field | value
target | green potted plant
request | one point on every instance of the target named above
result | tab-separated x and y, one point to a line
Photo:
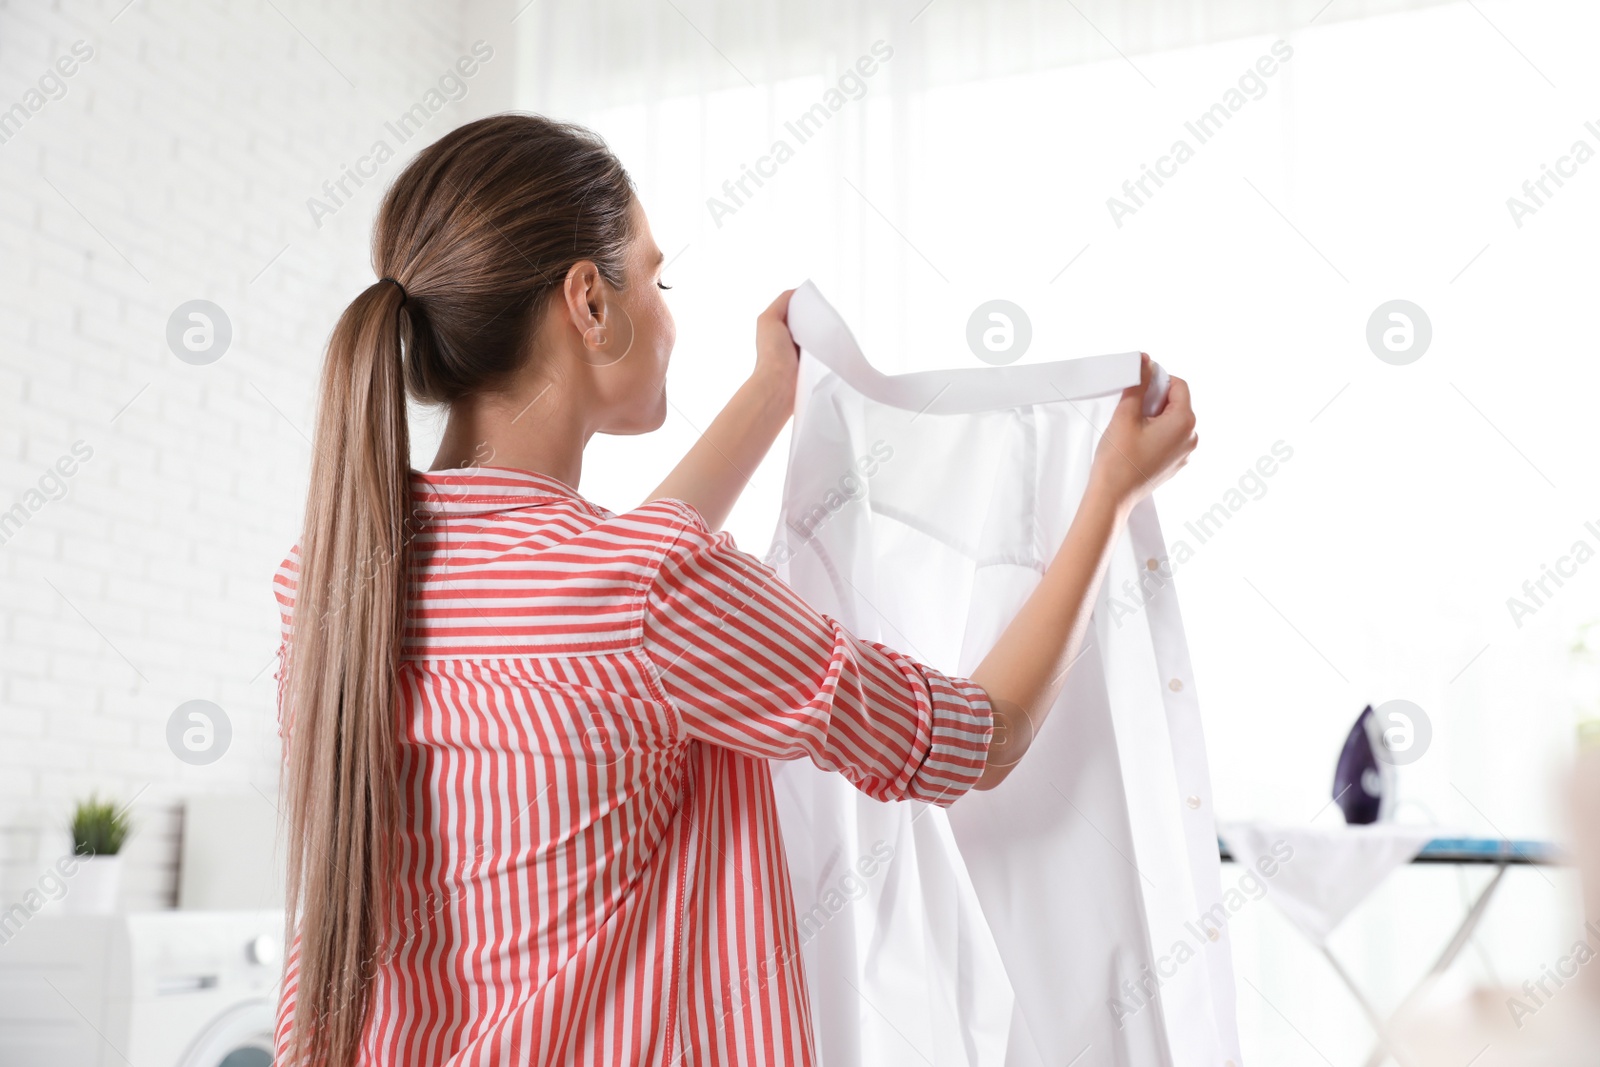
99	828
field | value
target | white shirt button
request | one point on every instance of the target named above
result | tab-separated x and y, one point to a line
1193	801
1175	685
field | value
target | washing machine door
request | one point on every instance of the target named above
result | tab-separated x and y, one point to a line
239	1037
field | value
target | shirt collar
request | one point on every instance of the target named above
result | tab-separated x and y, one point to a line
482	490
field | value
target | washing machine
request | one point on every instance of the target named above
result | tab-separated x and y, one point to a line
142	989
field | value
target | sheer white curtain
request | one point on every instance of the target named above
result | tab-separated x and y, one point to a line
960	152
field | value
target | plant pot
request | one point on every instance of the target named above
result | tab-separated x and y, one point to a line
93	887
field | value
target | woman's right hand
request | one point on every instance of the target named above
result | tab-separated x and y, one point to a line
1025	670
1136	453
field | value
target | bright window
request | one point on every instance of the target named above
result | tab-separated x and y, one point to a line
1365	161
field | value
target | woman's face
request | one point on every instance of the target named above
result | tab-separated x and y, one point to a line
630	363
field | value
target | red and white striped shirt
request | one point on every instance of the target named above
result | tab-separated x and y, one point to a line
591	869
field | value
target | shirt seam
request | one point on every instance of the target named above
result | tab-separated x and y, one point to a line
652	673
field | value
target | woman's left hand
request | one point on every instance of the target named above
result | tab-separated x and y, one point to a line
713	473
777	358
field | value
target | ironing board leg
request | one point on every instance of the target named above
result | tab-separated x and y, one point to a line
1469	924
1379	1025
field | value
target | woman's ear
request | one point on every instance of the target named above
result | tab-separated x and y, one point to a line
599	320
586	301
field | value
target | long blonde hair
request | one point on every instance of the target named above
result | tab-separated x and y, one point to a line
473	238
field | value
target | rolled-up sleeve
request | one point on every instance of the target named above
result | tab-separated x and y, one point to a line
747	664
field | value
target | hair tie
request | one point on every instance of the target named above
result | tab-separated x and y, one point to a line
398	286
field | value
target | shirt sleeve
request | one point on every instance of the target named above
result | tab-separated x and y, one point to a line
749	665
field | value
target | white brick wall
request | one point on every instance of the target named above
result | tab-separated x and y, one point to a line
176	165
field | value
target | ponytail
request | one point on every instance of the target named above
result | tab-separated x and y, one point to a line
349	620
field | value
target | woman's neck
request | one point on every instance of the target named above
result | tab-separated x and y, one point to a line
536	429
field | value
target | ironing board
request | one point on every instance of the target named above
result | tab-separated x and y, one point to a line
1501	853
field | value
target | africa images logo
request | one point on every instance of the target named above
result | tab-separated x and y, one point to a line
851	85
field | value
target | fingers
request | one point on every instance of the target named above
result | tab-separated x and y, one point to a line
779	308
1134	394
1179	404
1175	425
1178	393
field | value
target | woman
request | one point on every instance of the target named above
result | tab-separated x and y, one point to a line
526	737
